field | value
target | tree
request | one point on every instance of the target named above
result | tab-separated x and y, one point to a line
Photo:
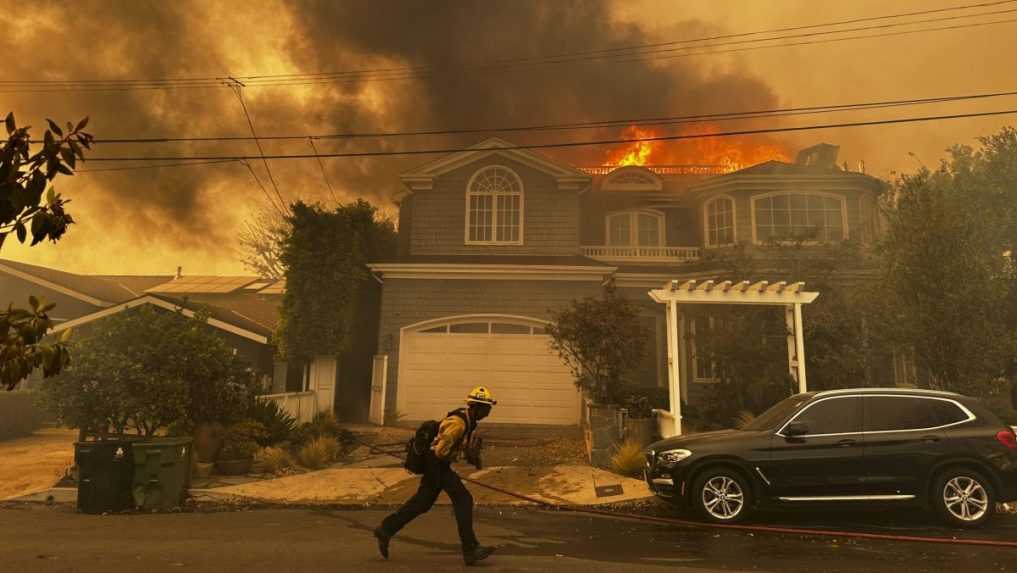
948	274
147	368
261	244
601	341
326	254
29	204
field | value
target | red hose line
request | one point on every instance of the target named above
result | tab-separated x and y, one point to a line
750	528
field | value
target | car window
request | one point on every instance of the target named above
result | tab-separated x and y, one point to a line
833	416
888	413
777	413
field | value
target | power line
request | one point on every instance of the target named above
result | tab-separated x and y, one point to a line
599	124
240	96
611	53
321	166
614	141
156	166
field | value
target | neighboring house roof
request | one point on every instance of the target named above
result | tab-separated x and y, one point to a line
96	290
224	319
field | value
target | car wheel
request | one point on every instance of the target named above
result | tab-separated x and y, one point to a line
721	495
963	497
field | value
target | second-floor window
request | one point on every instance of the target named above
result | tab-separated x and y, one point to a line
720	228
816	217
635	229
494	207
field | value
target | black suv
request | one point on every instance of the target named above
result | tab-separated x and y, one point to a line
942	450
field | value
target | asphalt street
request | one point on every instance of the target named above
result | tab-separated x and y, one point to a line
56	539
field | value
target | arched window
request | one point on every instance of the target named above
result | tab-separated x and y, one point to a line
806	216
720	222
494	207
635	229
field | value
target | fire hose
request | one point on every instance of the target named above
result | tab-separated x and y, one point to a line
730	527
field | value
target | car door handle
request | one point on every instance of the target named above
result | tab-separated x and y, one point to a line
930	438
846	443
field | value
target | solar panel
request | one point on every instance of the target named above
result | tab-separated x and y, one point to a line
203	285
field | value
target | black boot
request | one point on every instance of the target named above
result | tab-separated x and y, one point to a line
475	554
383	539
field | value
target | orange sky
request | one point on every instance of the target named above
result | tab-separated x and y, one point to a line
153	221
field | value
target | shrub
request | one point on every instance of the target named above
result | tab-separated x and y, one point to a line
319	452
629	459
241	441
279	426
273	460
323	424
19	416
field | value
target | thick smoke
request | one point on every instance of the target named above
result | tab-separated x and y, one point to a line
152	220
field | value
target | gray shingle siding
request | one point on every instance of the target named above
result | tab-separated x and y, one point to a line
406	302
550	215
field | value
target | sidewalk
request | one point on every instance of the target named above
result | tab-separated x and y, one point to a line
36	462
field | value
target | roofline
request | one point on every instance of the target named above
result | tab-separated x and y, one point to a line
916	391
159	302
492	271
55	286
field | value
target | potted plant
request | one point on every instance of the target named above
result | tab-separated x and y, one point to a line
239	446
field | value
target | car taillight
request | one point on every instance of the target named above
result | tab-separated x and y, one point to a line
1008	438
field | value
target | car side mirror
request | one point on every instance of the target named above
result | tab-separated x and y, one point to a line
795	429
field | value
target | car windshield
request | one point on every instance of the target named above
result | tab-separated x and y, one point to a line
777	413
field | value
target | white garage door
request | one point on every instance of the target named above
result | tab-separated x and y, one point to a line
440	363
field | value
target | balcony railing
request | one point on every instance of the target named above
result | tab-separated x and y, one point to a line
642	254
689	169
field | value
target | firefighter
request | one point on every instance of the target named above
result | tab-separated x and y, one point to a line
454	438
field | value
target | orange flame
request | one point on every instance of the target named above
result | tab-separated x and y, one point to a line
733	153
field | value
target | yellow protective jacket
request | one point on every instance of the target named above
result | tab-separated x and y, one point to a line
451	440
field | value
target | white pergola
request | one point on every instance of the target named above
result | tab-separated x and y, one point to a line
789	295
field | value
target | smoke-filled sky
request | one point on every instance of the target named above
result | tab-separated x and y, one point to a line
151	221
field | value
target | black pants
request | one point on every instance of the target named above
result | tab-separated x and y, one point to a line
438	476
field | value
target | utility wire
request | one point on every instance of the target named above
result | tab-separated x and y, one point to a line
640	52
598	124
237	87
321	166
156	166
588	143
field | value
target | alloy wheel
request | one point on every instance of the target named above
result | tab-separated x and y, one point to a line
965	498
723	498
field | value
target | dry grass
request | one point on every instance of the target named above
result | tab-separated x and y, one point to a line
273	460
629	459
319	452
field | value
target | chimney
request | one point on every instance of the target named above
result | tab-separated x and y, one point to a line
180	272
861	166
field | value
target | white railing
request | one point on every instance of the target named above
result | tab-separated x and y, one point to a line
301	405
691	169
642	254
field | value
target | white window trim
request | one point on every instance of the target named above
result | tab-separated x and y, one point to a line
734	222
494	208
843	212
634	227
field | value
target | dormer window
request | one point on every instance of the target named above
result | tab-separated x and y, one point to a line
494	207
635	229
720	221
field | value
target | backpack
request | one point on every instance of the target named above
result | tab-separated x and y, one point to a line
419	446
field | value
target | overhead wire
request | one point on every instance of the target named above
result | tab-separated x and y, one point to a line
661	50
568	144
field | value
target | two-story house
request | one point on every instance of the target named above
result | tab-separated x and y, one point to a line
494	239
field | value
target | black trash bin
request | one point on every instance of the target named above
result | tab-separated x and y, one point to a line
105	476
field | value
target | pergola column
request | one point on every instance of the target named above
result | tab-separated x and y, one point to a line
791	297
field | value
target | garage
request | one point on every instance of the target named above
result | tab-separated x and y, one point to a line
440	361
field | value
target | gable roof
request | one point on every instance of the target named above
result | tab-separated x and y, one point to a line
568	177
97	290
224	319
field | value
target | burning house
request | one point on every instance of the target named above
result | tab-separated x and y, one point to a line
494	238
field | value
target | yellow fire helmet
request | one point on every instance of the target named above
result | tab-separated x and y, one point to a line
480	395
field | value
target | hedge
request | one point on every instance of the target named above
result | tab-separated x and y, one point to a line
19	414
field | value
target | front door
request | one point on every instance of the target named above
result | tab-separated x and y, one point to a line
825	462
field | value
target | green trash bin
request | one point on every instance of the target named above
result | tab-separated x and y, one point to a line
162	473
105	476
